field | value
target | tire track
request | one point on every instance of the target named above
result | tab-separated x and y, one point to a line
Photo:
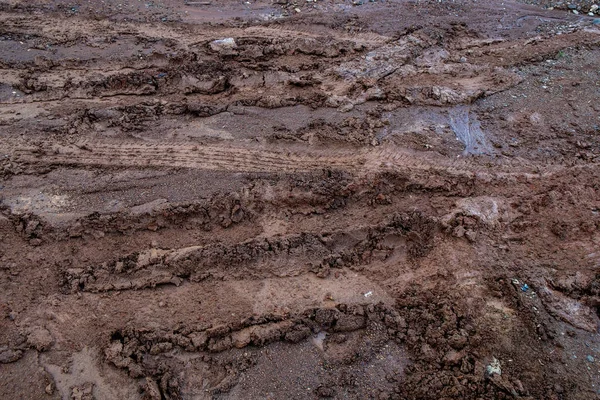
104	153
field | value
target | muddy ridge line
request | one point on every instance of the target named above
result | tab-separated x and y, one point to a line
313	199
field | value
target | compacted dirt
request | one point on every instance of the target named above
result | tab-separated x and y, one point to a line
297	200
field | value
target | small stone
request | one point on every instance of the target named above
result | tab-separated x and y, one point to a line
241	338
459	231
49	389
471	235
590	358
575	12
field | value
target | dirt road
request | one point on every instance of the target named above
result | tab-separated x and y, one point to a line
299	200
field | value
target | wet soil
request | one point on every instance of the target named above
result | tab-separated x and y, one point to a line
320	199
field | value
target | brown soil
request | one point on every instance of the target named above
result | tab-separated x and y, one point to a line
298	200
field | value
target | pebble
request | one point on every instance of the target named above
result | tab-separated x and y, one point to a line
590	358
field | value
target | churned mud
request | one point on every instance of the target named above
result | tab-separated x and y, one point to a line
299	200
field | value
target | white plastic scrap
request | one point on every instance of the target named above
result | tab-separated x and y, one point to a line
494	368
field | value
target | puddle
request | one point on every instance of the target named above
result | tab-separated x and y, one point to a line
442	127
85	376
467	129
8	93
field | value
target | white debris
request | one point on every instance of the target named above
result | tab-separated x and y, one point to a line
223	44
493	368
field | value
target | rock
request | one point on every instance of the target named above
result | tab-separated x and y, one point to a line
49	389
471	235
241	338
459	231
590	358
593	8
40	339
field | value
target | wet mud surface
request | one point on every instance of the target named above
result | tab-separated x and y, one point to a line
304	200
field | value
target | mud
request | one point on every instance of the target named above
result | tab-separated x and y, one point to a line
322	199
